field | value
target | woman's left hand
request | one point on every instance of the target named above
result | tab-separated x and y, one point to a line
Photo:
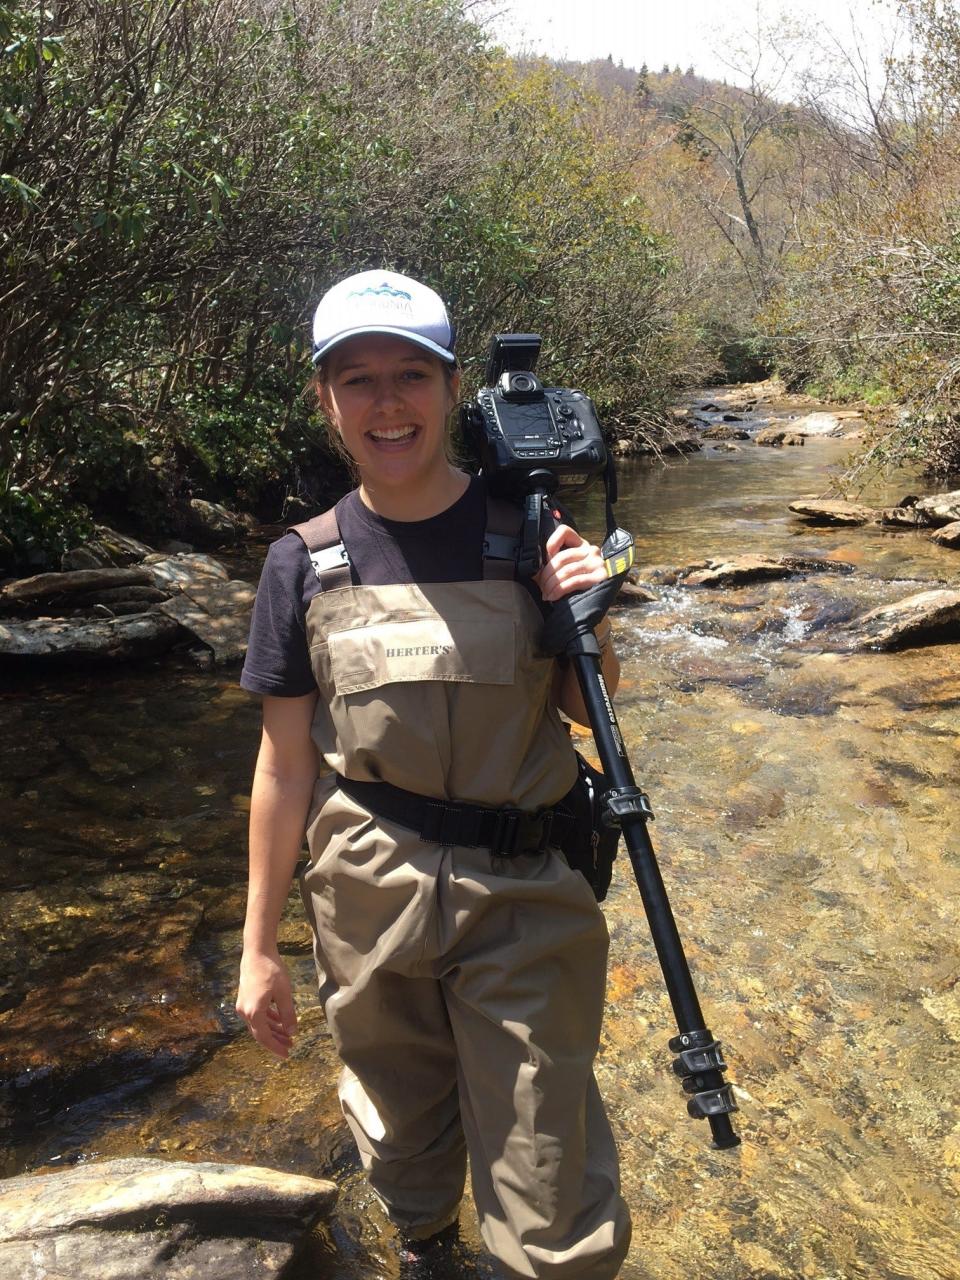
571	564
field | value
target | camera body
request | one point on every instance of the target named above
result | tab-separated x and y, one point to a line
516	425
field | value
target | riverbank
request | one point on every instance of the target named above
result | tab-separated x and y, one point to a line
806	827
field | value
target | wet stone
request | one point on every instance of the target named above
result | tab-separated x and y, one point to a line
775	437
748	569
902	517
948	535
724	432
817	424
941	508
137	1219
632	594
927	616
830	511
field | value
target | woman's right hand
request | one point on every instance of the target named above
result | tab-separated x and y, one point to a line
265	1001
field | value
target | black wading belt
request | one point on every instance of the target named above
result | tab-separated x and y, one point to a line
507	833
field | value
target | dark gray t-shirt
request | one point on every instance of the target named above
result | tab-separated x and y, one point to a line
446	548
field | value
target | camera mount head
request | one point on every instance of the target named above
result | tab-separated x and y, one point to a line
509	353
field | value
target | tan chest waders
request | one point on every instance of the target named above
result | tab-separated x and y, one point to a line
464	989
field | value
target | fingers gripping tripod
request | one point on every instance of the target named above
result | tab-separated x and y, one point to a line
569	630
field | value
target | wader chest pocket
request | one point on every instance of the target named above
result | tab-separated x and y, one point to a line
471	650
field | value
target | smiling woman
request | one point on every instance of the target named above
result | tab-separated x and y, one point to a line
388	401
461	961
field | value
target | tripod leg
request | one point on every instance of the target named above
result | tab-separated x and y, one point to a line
698	1063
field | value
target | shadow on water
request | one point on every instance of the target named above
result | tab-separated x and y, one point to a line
807	827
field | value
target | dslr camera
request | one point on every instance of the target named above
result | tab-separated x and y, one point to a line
516	426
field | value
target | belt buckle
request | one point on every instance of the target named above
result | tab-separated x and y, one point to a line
520	832
506	832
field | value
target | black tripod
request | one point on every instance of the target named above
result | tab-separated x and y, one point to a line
569	630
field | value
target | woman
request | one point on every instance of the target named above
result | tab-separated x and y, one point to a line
463	981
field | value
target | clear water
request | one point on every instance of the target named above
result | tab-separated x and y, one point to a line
808	828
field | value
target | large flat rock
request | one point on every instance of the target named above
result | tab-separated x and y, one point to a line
817	424
941	508
141	1219
741	570
927	616
184	569
216	612
833	511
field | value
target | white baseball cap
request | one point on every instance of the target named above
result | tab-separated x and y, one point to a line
383	302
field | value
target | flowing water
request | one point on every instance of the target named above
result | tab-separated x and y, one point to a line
808	829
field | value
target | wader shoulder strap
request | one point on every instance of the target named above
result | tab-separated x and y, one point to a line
328	555
501	542
501	538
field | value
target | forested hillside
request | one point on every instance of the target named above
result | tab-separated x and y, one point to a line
180	179
813	211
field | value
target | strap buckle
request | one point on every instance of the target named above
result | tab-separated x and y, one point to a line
518	832
505	832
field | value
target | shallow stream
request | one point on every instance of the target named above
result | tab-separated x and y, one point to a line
808	829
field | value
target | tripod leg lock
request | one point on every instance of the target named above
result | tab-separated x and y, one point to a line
626	802
693	1062
699	1064
712	1102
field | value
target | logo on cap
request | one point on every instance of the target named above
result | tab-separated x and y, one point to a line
382	291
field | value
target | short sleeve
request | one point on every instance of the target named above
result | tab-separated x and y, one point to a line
278	658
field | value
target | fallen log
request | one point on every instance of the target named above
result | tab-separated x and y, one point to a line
50	586
137	635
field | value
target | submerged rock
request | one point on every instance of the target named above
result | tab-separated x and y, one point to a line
64	1036
833	511
137	1219
918	619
